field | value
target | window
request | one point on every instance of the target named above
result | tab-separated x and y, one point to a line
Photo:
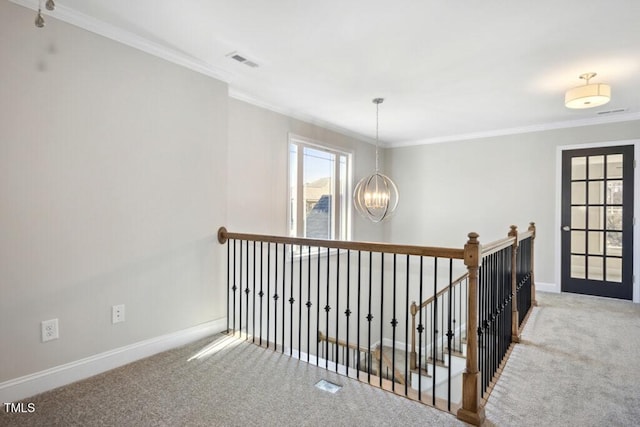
319	190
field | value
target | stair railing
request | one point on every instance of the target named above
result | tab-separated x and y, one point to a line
501	294
279	289
350	354
456	290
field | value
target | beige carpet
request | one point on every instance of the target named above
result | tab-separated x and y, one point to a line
577	366
237	385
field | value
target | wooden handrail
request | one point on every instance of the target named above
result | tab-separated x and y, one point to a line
427	251
525	235
323	337
498	245
442	291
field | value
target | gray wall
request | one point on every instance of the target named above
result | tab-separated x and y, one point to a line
112	186
258	169
485	185
117	168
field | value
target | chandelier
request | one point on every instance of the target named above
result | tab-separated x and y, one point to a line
376	196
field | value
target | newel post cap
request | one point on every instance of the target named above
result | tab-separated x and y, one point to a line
222	235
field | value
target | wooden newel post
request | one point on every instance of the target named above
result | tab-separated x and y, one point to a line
472	412
532	229
515	318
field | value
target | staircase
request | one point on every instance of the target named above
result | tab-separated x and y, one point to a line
391	364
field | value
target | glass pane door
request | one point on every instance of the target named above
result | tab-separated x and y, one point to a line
597	221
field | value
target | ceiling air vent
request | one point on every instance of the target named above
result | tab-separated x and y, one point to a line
242	59
619	110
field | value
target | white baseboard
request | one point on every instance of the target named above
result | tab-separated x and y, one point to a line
547	287
39	382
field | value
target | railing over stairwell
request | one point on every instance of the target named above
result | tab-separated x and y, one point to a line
501	294
284	292
446	313
525	288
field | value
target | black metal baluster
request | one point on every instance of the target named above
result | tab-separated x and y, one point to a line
337	303
489	344
228	282
481	322
300	307
284	292
268	290
327	309
369	319
487	328
420	329
358	314
394	323
442	325
495	283
487	325
498	326
261	294
381	315
318	313
492	344
234	288
253	295
347	312
406	333
434	337
291	301
496	323
246	289
450	333
240	296
275	301
309	304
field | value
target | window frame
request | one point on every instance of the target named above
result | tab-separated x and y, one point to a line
341	227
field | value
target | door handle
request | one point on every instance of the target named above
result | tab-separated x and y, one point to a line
566	228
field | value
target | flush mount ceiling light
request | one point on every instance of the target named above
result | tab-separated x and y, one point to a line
589	95
376	196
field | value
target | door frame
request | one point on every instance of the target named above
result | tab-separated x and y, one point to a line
636	210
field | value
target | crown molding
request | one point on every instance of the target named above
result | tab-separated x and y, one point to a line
520	130
71	16
244	97
78	19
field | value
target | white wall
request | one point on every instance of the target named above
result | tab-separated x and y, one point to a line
258	169
485	185
112	186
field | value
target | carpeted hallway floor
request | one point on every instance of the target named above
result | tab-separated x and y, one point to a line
577	366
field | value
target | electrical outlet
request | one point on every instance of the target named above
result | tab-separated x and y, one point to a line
50	330
117	313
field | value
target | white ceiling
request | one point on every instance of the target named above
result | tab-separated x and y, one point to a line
447	69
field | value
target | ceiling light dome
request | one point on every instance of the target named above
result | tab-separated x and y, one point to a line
589	95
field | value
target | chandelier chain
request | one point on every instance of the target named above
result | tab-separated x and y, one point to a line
377	121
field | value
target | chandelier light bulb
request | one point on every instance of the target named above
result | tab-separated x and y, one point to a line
50	5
